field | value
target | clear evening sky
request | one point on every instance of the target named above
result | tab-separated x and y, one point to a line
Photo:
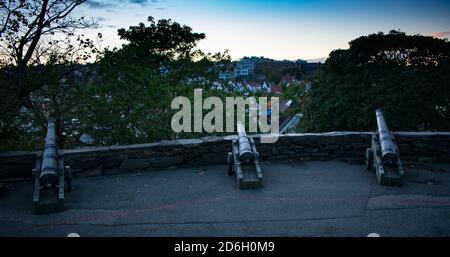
282	29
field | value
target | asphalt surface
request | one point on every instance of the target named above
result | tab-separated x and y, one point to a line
299	199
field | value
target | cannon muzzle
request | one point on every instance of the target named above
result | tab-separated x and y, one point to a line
389	151
49	168
245	149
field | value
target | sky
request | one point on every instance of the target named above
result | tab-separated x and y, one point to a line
278	29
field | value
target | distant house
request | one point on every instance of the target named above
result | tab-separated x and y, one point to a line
244	67
301	95
197	80
240	86
259	67
276	89
229	86
249	86
226	75
217	86
288	80
266	87
254	86
233	86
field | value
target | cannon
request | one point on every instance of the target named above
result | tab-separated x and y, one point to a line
383	156
243	161
50	178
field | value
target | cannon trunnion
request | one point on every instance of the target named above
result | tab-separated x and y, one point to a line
50	177
243	161
383	156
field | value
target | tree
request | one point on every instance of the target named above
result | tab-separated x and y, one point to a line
122	98
38	49
406	76
159	43
129	99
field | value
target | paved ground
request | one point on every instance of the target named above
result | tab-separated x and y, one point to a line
299	199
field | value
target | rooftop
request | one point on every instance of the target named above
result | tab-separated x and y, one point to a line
318	198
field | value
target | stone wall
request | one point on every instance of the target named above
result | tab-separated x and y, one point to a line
349	146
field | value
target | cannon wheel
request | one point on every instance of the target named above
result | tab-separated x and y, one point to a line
36	170
33	183
33	178
369	159
230	164
68	177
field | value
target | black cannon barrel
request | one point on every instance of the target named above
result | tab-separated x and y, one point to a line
245	149
49	168
389	152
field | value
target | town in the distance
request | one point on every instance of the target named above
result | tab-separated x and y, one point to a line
246	120
265	75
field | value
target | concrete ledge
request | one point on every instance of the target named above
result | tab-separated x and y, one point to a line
414	146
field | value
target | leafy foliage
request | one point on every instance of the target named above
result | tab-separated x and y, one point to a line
406	76
39	53
130	96
122	98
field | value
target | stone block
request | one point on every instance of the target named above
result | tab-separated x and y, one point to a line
167	161
319	154
84	164
190	143
133	164
331	147
214	159
112	161
439	149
